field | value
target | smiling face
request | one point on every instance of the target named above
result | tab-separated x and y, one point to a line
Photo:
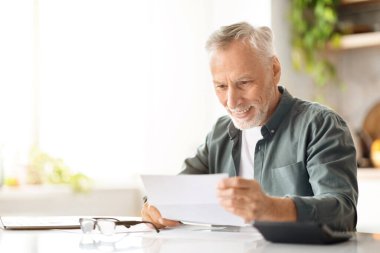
245	83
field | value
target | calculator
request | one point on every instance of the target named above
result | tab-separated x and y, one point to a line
301	232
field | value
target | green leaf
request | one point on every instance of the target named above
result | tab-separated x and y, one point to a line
313	27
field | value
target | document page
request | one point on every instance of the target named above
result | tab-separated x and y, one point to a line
189	198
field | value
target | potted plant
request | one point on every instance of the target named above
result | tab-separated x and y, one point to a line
313	25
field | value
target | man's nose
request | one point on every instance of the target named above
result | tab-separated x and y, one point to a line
233	97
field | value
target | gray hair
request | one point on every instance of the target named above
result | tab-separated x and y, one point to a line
259	38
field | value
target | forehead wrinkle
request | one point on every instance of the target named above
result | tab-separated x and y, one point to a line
233	76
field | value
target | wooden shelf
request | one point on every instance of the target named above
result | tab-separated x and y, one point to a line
352	2
360	40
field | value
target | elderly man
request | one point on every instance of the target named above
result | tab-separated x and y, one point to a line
288	159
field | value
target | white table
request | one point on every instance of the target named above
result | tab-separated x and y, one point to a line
72	241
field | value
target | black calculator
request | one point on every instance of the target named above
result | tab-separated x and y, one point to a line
301	232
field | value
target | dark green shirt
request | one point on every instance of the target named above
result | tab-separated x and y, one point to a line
306	154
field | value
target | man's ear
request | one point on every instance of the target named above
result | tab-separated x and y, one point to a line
276	70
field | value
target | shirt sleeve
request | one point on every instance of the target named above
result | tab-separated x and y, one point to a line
331	164
197	164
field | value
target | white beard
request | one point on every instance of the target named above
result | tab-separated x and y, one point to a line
246	124
261	115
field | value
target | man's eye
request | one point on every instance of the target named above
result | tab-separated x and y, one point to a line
243	82
220	86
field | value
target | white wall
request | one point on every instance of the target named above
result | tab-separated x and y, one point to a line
133	88
121	87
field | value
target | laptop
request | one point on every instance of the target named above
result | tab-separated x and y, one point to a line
39	223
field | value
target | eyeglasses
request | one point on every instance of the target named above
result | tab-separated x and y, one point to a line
107	226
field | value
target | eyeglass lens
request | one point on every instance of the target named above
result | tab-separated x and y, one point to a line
87	225
105	226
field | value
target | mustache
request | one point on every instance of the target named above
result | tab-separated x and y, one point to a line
241	108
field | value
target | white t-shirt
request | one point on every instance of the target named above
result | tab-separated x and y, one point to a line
247	158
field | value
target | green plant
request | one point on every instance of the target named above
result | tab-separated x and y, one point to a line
313	29
44	168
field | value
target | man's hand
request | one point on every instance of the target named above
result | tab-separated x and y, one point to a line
245	198
151	213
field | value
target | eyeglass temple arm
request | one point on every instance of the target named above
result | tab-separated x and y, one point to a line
127	224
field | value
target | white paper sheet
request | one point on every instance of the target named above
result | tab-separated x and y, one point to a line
190	198
205	232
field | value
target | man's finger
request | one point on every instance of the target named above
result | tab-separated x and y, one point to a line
154	214
169	223
243	213
236	182
148	218
243	203
232	192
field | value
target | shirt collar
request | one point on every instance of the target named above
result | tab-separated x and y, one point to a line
270	128
281	111
233	131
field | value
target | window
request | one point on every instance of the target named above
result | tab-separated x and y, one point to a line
16	83
120	87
